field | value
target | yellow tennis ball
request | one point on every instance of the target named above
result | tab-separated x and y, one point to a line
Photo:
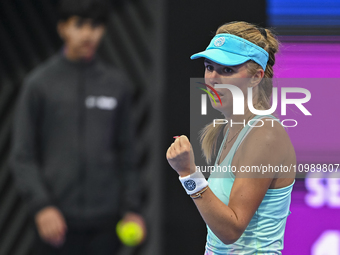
130	233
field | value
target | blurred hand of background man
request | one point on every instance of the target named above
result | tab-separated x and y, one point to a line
51	225
136	218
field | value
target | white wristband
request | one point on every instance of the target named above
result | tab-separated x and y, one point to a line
194	182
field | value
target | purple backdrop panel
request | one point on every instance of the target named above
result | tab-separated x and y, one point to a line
316	137
301	58
308	228
313	227
316	67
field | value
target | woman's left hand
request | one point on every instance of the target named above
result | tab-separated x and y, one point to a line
181	156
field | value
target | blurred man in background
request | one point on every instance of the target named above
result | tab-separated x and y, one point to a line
72	155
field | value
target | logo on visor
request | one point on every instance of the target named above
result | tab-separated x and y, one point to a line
219	41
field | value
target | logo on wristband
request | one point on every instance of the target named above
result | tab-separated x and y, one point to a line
190	185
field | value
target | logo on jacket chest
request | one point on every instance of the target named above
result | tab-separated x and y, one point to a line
101	102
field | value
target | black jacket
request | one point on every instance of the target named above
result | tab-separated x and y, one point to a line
73	141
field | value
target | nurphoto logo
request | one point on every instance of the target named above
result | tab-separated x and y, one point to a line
238	101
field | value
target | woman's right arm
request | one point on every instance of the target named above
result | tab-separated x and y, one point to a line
228	222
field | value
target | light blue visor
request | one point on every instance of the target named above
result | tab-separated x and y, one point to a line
231	50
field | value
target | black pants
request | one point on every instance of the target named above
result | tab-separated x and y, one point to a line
90	241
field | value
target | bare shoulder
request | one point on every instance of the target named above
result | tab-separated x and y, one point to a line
268	144
267	135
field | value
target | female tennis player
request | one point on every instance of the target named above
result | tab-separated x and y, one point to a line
245	211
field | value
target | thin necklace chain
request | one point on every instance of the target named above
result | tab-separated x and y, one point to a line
228	141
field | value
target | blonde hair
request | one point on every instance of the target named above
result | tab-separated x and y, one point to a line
265	39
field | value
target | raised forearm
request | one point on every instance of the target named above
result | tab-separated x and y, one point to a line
220	218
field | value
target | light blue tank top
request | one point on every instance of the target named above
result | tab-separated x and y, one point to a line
264	234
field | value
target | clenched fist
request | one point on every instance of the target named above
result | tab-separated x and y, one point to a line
51	225
181	156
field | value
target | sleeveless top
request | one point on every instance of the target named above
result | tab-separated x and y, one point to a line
264	234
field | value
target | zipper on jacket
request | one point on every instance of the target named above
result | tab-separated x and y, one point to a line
81	137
